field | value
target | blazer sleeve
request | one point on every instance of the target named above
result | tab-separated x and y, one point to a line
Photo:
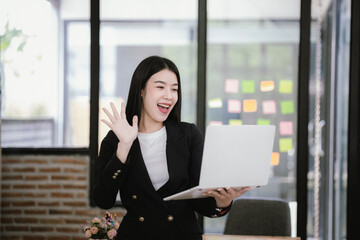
110	172
204	206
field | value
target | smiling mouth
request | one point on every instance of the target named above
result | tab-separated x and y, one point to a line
164	108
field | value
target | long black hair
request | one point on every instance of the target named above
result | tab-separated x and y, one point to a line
146	68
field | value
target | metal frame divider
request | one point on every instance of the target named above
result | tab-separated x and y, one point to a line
201	73
201	65
94	89
353	198
303	118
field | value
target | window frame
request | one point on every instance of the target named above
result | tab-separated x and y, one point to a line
353	209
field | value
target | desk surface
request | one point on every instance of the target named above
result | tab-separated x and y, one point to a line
237	237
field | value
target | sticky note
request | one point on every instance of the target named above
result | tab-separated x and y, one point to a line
250	105
215	103
285	144
286	127
275	158
269	107
215	123
234	106
235	122
262	121
231	85
248	86
285	86
287	107
267	86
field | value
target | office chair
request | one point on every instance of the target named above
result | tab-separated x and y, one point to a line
259	216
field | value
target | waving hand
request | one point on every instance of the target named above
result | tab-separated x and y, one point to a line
122	129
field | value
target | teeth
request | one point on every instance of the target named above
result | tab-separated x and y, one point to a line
163	105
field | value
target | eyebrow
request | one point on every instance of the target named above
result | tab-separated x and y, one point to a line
162	82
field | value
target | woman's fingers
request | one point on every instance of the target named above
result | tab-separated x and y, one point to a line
242	191
110	116
231	191
107	123
115	111
122	112
135	121
224	192
227	192
219	193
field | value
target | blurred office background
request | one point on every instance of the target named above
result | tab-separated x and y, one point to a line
239	64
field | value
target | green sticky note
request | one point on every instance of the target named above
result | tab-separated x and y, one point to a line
262	121
285	144
215	103
235	122
287	107
248	86
285	86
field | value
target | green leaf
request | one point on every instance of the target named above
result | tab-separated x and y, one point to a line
4	45
21	46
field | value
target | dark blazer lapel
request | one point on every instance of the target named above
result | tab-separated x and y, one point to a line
176	152
140	170
139	167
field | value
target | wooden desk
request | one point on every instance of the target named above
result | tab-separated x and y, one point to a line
238	237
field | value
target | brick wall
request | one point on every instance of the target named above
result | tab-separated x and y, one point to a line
46	197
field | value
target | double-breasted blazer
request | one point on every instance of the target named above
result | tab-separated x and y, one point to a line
148	216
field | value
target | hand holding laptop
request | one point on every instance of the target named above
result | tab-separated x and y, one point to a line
224	196
234	156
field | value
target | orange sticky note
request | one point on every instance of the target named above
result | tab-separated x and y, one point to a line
275	158
267	86
250	105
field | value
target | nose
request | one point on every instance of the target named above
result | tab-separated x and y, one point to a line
168	94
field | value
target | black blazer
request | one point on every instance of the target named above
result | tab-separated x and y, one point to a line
148	216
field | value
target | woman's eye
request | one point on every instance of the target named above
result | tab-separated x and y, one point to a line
175	89
160	87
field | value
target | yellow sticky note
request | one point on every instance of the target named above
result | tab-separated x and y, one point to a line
275	158
250	105
267	86
215	103
262	121
285	86
285	144
235	122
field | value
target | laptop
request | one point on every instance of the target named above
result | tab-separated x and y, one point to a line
233	156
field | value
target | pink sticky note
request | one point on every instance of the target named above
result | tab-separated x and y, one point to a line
234	106
286	128
215	123
269	107
231	85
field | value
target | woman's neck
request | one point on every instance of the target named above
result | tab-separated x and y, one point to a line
147	127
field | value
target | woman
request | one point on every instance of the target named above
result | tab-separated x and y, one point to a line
150	154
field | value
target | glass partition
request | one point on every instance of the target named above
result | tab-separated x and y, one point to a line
333	127
252	69
163	28
44	73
